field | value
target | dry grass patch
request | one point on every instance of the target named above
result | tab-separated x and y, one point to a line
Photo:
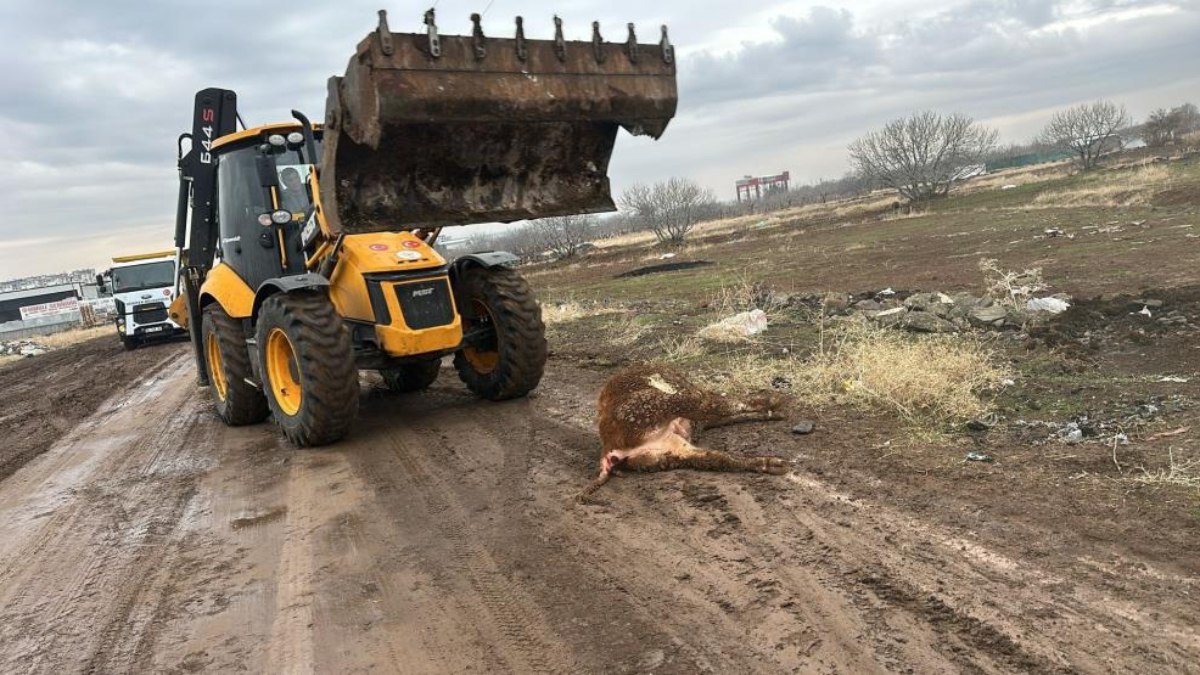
1179	474
928	381
680	350
1129	188
5	360
75	336
554	313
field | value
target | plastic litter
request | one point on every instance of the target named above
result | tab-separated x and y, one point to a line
741	325
1051	305
979	457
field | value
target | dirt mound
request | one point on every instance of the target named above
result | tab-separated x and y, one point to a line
665	267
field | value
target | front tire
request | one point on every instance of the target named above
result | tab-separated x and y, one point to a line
228	359
411	377
129	343
508	363
308	369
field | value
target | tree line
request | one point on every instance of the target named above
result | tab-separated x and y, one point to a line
920	156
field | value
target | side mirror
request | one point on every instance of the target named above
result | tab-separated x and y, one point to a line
100	281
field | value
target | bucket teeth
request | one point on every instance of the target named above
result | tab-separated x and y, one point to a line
668	50
385	34
435	42
597	42
631	45
522	52
560	44
477	38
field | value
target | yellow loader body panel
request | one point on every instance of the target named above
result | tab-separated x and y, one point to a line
392	263
229	290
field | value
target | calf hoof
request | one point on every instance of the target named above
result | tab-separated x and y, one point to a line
776	466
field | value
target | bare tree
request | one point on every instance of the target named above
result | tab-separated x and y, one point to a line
523	241
921	155
671	208
1159	128
1164	126
1088	130
564	235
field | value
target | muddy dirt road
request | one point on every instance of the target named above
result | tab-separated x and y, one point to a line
441	538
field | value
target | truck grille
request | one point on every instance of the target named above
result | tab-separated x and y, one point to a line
150	312
426	303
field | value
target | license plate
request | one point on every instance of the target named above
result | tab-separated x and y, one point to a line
154	329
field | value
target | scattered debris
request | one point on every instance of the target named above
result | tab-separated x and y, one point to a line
1071	433
737	327
1052	305
1010	186
975	456
1174	378
804	427
1169	434
22	348
983	423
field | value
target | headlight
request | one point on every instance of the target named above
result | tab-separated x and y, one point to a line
265	220
295	138
277	140
281	217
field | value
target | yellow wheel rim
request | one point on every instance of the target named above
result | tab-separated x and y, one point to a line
483	362
216	369
283	372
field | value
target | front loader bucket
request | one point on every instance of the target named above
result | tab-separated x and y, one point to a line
427	130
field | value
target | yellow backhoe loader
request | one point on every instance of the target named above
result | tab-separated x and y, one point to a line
307	249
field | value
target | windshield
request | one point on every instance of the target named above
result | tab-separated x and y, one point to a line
141	277
243	198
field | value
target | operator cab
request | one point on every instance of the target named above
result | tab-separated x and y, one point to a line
266	188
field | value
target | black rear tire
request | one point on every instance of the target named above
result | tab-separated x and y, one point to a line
313	388
511	364
411	376
129	343
237	401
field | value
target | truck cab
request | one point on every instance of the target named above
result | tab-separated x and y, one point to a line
143	287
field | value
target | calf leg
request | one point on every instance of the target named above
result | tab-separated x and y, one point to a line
675	452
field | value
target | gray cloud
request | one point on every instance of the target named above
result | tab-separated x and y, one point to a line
94	94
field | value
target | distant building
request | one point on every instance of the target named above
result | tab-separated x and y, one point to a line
39	311
751	188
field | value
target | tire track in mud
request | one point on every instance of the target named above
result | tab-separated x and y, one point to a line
110	532
526	643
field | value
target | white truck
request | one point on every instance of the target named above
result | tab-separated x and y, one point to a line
143	287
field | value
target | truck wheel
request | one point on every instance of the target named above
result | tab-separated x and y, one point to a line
129	343
238	402
508	359
411	376
308	367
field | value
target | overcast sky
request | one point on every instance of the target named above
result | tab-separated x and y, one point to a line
93	94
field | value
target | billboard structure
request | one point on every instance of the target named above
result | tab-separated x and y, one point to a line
751	188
